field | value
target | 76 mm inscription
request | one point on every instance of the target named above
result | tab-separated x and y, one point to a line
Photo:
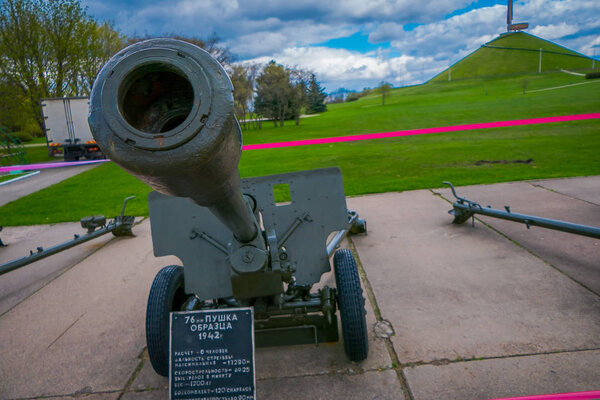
212	355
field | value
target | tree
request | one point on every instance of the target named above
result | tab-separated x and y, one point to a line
299	100
315	97
242	91
13	107
384	88
273	93
45	44
211	45
103	41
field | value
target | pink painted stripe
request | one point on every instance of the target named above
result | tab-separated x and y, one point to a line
594	394
351	138
368	136
29	167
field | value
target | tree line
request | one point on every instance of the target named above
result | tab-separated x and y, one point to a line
275	93
53	48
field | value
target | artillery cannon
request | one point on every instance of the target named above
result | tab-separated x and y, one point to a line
162	109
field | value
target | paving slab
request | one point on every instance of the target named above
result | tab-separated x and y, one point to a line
460	292
299	360
91	396
348	384
577	256
21	283
146	395
147	379
85	331
378	385
449	291
46	177
507	377
326	358
584	188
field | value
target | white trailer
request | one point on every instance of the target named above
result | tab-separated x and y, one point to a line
67	129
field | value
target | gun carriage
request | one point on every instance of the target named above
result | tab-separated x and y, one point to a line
162	109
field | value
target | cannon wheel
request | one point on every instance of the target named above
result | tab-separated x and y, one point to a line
166	294
352	305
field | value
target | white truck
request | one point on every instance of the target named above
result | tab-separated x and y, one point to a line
67	129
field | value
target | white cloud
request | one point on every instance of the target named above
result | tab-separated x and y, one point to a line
574	24
565	21
284	31
337	68
553	31
447	39
389	10
234	20
386	31
292	34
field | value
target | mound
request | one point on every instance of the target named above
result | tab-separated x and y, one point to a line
515	54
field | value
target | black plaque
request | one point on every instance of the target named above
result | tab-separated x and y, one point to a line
212	355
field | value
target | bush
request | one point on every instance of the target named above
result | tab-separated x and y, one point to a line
592	75
353	97
33	129
23	136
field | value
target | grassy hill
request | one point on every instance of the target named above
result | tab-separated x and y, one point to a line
514	54
393	164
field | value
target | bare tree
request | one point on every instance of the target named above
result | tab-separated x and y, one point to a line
221	53
299	98
242	92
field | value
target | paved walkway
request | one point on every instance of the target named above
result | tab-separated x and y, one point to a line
489	311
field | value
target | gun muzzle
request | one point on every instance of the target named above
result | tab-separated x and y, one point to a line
162	109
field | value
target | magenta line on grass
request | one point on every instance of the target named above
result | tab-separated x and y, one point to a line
351	138
29	167
594	394
369	136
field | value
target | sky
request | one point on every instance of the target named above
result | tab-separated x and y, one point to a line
354	44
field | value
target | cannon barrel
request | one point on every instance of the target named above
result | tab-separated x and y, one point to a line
162	109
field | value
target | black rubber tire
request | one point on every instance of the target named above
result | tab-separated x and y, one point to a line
352	305
166	294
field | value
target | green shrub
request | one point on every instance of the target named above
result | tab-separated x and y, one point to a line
592	75
353	97
23	136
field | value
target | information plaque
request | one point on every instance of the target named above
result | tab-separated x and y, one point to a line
212	355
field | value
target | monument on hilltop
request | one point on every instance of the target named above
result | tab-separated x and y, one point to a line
509	16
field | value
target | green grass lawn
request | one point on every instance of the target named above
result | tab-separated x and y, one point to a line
38	140
381	165
38	155
7	177
35	155
505	56
443	104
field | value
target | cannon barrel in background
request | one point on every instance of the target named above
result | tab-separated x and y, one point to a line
162	109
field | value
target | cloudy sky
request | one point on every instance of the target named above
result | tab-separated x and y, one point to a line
356	43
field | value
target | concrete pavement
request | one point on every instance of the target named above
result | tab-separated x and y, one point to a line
478	312
21	283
